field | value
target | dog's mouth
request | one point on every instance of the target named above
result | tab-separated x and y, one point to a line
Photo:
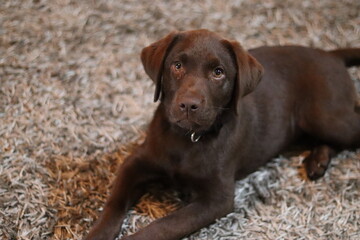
192	126
188	125
192	122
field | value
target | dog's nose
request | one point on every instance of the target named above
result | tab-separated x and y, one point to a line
191	104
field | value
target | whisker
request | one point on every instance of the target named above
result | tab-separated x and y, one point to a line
188	132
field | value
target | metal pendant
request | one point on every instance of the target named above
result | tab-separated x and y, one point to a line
194	138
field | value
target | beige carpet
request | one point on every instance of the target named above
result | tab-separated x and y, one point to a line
74	100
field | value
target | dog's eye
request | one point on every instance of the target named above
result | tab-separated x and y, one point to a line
218	72
178	65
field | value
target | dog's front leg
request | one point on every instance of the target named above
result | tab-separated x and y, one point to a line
202	211
127	188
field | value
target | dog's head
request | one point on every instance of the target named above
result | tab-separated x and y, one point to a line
198	75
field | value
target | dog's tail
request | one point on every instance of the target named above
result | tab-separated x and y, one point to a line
350	56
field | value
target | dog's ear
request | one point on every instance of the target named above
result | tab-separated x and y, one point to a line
153	58
249	71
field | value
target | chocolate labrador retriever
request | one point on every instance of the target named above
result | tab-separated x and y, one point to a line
223	113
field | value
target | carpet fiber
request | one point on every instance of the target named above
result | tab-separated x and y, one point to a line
74	101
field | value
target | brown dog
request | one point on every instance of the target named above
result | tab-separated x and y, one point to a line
217	122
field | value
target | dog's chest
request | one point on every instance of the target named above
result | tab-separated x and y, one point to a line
192	163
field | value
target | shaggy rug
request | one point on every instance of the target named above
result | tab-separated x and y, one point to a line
74	101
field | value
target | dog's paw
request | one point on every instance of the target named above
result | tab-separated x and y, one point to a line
100	235
317	162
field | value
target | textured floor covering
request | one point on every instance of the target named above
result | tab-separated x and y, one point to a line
74	100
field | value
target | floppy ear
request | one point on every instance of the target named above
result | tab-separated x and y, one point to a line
153	58
249	71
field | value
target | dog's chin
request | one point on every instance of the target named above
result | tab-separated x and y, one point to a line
193	126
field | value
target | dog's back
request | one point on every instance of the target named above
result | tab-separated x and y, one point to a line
307	76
